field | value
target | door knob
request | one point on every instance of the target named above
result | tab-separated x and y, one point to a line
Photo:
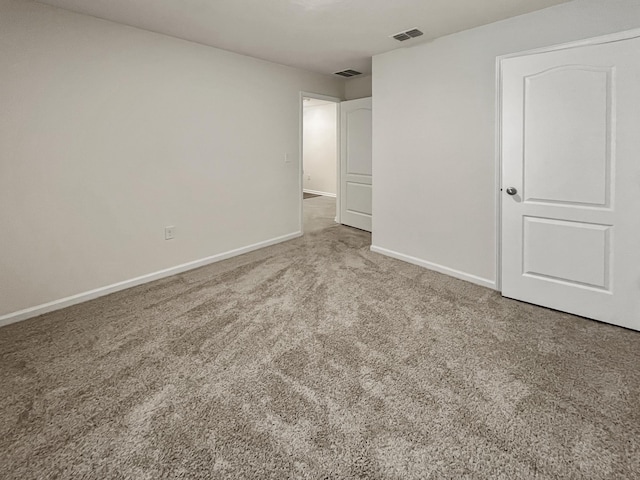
512	191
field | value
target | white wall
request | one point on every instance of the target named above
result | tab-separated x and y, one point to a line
320	148
108	134
358	87
434	134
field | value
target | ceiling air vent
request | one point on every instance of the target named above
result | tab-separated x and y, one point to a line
408	35
348	73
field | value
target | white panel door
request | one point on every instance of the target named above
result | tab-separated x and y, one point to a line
571	180
355	162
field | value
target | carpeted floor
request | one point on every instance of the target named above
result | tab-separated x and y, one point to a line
317	359
319	214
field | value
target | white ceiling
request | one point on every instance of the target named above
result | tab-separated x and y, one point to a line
319	35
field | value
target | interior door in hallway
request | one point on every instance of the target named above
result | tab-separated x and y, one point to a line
571	180
355	163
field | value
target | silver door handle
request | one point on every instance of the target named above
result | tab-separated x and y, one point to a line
512	191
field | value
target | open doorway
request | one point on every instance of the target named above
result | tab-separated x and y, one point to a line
320	162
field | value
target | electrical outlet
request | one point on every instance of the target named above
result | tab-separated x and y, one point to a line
309	177
169	233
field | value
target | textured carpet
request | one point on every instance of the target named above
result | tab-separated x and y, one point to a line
306	195
317	359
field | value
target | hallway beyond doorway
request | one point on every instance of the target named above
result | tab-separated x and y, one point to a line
319	213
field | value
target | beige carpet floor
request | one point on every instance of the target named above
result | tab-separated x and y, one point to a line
317	359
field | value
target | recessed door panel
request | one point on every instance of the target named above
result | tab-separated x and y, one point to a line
572	252
358	130
567	131
359	198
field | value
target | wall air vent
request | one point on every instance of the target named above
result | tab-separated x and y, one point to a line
348	73
408	35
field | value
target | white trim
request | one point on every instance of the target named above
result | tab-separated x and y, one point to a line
116	287
338	218
320	96
327	98
498	175
611	38
435	267
316	192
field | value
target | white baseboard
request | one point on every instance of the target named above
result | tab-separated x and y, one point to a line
435	267
116	287
316	192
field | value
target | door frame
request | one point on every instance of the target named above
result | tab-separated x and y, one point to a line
337	101
610	38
